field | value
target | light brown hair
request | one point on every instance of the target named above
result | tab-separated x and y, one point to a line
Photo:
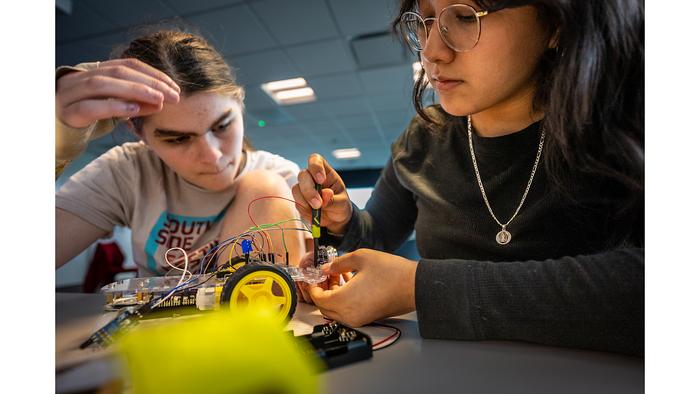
190	61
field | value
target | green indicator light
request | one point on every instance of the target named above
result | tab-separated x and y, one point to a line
261	123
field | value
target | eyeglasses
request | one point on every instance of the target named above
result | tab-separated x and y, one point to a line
459	26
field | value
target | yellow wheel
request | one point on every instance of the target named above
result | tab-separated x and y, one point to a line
261	285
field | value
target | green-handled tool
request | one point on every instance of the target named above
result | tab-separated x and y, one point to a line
316	226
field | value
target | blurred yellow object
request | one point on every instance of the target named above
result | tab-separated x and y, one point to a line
221	352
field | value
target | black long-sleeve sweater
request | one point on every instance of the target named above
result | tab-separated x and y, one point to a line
573	274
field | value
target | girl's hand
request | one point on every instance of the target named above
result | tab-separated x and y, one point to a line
333	199
116	88
383	285
333	282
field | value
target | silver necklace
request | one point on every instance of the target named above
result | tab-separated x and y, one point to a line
503	236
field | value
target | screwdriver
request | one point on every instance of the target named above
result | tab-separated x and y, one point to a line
316	226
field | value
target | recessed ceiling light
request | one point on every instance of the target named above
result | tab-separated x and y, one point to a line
345	154
284	84
289	91
295	93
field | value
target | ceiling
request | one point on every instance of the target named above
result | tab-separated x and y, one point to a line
361	74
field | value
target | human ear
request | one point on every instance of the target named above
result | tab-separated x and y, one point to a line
135	129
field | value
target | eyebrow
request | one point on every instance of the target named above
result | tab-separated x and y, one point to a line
175	133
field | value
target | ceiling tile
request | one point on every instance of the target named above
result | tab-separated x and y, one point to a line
336	86
392	117
305	111
233	30
320	127
256	99
293	22
272	117
332	141
363	16
391	101
130	13
366	137
322	58
106	45
263	67
278	139
378	51
188	6
386	79
81	22
357	121
349	106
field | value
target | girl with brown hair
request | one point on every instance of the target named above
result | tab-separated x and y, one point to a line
189	180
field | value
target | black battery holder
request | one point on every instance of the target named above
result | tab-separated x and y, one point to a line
337	345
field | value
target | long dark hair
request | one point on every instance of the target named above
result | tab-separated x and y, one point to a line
591	89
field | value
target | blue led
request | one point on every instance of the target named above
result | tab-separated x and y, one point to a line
247	246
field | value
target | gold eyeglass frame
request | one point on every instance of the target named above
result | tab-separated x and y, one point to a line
441	31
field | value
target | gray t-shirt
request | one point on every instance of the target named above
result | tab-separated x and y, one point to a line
130	186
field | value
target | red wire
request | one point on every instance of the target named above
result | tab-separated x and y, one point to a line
395	336
396	333
255	243
262	244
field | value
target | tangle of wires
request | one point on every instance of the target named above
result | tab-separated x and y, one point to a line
258	238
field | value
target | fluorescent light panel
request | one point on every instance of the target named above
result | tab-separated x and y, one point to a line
284	84
289	91
295	93
345	154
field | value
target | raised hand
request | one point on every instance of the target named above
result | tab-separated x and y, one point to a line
115	88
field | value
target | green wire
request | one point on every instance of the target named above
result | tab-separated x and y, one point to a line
277	225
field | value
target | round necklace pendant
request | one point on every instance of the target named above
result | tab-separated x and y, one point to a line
503	237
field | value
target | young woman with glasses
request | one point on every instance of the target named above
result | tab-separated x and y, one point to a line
524	185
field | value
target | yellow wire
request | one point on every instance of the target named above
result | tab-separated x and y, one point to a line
233	247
